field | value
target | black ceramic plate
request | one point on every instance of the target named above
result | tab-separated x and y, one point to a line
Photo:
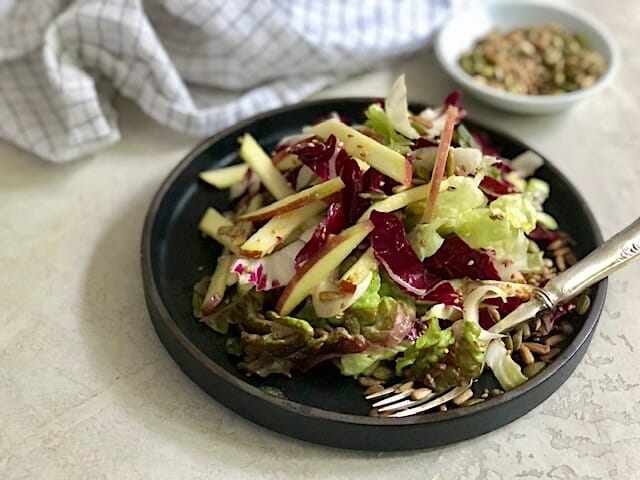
320	406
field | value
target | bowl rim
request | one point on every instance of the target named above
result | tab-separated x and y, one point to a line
463	78
156	303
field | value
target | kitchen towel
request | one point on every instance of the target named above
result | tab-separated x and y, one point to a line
196	66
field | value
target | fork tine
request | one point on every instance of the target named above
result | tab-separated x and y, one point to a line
382	393
450	395
392	398
406	404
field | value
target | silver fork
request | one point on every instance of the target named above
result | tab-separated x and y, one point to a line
400	401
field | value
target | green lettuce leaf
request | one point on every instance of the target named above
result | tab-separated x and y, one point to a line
378	121
428	349
518	209
479	228
425	239
356	364
458	195
505	369
448	358
370	299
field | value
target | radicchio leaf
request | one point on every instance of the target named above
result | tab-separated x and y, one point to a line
378	182
454	99
317	155
493	188
542	236
332	223
443	292
486	145
456	259
394	252
350	173
504	308
422	142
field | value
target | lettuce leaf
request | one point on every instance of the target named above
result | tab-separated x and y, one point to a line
370	299
517	209
388	324
428	349
379	122
479	228
356	364
461	361
397	110
505	369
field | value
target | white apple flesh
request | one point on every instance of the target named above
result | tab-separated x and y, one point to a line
217	284
224	177
279	229
398	201
211	223
366	149
260	163
320	266
363	267
296	200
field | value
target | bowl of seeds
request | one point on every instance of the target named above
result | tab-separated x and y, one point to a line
526	56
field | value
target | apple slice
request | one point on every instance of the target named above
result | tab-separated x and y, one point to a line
211	223
297	200
288	162
398	201
224	177
441	161
278	229
261	164
358	272
217	284
320	265
329	300
364	148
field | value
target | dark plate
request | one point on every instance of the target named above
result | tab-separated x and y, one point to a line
322	406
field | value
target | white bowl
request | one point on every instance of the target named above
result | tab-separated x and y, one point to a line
462	31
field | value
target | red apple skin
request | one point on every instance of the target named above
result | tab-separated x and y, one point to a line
252	217
318	192
408	173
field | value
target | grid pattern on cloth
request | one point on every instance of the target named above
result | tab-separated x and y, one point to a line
61	61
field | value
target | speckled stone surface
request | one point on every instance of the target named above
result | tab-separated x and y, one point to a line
87	391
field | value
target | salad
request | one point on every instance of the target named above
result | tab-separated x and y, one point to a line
387	248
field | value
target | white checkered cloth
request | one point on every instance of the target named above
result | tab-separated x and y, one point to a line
194	65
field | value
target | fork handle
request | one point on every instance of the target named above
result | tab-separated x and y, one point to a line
613	254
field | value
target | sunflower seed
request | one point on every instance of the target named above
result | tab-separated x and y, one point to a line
554	340
533	369
404	387
516	338
374	389
420	393
369	382
537	348
463	397
551	355
582	304
527	356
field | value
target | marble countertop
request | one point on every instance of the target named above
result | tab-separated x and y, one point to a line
88	391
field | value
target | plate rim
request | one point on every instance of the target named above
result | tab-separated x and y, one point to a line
152	293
